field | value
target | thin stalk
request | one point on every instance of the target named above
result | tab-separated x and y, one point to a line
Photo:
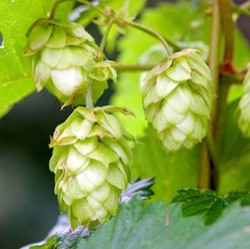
228	29
214	172
121	68
214	56
92	6
87	3
153	33
53	11
105	36
204	168
89	96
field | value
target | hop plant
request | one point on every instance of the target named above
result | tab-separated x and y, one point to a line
91	159
244	107
177	97
66	60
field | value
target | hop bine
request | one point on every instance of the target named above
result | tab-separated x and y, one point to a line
65	61
177	97
91	159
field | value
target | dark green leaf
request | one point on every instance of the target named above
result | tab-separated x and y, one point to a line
208	203
233	196
161	225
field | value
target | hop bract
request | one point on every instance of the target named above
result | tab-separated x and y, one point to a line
244	107
66	60
91	159
177	97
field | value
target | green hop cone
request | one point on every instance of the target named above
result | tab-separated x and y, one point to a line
65	61
244	107
177	98
91	159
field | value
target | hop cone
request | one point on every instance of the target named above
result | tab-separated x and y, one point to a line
65	60
244	107
90	160
177	99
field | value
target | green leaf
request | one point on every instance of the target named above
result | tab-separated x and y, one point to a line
172	171
70	240
161	225
49	244
15	71
208	203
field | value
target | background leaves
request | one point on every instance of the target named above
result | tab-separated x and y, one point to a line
172	171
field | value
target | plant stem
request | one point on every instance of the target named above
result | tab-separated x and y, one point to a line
204	168
121	68
92	6
214	56
153	33
228	29
89	96
222	21
105	36
87	3
209	164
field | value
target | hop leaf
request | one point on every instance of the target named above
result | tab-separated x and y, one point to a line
244	107
177	98
91	159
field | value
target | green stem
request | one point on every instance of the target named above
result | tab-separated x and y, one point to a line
105	36
228	29
146	29
87	3
53	11
214	56
153	33
121	68
92	6
204	168
214	172
89	96
210	165
227	26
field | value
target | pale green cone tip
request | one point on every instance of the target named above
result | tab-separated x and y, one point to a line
177	99
90	159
